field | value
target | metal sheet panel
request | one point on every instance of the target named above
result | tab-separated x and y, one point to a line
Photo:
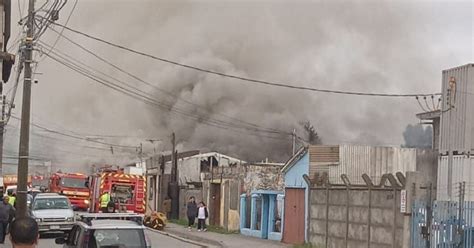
374	161
463	171
459	131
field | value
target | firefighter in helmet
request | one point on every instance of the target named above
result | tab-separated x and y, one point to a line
104	201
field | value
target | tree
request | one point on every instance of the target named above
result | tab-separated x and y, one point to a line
311	135
416	136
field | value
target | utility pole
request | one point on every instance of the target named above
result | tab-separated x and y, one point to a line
25	116
173	158
2	128
174	185
141	155
450	95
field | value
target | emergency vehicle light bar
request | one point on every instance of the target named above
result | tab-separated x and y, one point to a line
89	217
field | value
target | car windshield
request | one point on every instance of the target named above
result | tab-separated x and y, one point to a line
51	203
73	182
117	238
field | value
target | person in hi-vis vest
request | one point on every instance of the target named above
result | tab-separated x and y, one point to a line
104	201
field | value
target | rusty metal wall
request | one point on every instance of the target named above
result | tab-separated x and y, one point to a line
375	161
459	131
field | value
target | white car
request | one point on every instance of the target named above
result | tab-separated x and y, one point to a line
107	230
53	212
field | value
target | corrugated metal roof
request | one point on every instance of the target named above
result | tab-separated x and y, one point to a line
355	160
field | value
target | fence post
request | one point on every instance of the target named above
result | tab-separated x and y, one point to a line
327	214
429	216
347	215
394	231
369	215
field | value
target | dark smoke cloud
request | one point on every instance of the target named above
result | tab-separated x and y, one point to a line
372	46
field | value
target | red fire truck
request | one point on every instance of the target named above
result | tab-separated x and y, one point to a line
127	191
72	185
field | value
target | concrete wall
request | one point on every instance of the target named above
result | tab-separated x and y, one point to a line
350	218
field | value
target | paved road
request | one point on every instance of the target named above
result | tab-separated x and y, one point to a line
157	240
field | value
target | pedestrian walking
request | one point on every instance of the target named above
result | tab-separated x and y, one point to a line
7	213
202	215
191	211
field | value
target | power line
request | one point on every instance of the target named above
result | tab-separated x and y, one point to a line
72	62
74	136
166	93
147	100
241	78
65	24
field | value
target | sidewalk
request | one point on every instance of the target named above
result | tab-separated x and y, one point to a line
221	240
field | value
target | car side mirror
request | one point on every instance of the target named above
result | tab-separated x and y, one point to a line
60	241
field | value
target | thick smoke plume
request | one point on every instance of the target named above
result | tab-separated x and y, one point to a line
369	46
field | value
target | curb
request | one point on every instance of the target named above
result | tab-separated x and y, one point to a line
189	239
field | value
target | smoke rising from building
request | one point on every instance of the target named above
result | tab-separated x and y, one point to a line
370	46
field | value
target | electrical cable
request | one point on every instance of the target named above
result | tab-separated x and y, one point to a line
60	34
166	93
167	107
427	105
74	136
421	106
240	78
433	103
143	98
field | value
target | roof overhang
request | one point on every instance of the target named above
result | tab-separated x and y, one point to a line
295	158
429	115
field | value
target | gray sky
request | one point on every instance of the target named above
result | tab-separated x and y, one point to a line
369	46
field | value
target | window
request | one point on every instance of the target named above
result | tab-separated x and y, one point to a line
277	212
73	236
73	182
248	214
259	213
51	203
130	238
123	193
150	189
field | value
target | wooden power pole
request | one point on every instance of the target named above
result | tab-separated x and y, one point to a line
25	116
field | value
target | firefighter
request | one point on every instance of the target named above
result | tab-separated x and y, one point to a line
11	198
104	201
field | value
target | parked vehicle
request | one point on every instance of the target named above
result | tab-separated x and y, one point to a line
107	230
127	191
73	186
53	212
9	183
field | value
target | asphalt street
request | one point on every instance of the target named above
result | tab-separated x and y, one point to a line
157	240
